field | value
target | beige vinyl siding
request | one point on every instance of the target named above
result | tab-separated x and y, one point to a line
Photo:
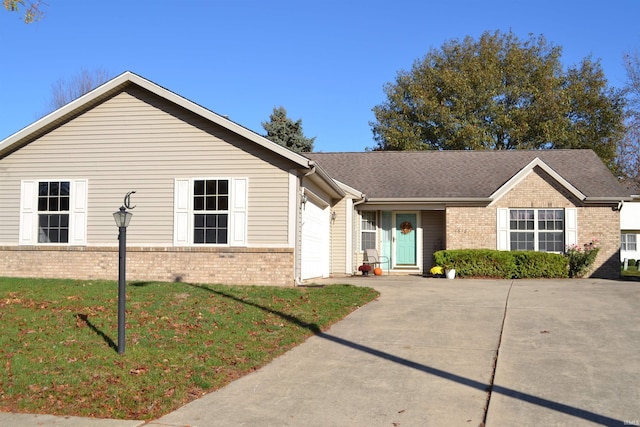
9	209
136	141
339	239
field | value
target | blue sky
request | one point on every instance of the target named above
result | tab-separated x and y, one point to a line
325	61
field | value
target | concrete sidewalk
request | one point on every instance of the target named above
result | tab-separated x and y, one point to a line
424	353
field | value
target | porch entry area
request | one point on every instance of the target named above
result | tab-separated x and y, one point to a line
409	238
399	239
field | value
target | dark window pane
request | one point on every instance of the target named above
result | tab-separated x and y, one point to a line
222	220
211	203
199	220
42	204
43	189
211	187
53	204
54	221
223	203
222	235
64	221
211	235
43	221
211	221
54	188
64	203
64	188
198	236
198	203
223	187
64	236
53	236
198	188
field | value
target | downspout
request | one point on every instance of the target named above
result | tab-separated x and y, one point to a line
298	256
363	198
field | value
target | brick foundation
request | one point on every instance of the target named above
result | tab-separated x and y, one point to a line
233	266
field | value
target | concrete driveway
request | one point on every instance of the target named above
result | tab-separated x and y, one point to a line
450	353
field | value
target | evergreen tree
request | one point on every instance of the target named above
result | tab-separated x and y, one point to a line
284	131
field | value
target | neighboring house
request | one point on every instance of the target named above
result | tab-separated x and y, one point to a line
630	227
217	203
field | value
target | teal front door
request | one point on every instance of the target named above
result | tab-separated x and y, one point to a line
405	239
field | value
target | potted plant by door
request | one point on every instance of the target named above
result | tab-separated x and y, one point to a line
365	268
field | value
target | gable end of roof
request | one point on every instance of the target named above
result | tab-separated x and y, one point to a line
50	121
528	169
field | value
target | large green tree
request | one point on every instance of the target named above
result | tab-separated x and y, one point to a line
499	92
284	131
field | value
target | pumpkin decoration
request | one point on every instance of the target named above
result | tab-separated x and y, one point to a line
377	271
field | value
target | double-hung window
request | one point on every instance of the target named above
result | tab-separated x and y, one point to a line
53	212
368	228
628	242
210	211
536	230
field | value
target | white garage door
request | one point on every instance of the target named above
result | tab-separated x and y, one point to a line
315	241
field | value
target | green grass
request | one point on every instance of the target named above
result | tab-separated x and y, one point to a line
58	341
631	272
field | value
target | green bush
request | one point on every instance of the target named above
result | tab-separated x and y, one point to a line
502	264
531	264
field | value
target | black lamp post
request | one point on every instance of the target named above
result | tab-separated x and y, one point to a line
122	218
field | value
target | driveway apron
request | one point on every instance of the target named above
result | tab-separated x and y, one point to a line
422	354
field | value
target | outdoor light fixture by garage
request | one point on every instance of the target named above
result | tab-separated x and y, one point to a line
122	218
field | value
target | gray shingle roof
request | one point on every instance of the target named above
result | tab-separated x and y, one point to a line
461	174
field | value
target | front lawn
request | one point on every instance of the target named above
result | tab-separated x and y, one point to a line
58	341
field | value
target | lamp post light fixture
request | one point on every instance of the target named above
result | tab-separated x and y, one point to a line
122	218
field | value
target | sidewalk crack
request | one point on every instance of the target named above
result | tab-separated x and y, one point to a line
495	358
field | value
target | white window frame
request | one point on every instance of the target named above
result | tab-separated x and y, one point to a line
364	231
29	214
184	212
625	243
503	232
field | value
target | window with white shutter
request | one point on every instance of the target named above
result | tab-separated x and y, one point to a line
210	211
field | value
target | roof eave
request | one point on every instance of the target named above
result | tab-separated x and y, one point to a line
607	200
447	201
